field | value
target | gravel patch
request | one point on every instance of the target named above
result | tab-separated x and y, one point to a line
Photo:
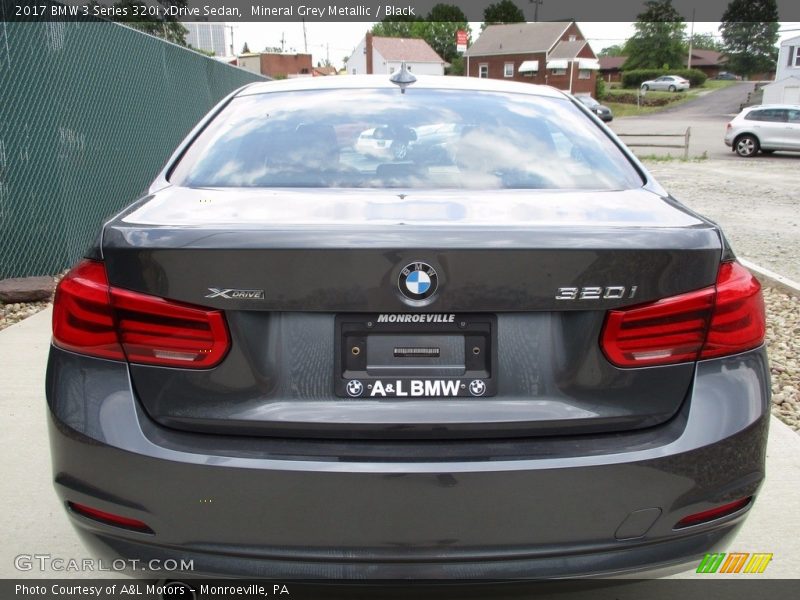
755	201
783	347
14	313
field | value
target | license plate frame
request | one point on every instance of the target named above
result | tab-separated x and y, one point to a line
416	375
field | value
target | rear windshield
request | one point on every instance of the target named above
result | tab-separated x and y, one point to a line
425	138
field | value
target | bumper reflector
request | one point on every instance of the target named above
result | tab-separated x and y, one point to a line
713	513
108	518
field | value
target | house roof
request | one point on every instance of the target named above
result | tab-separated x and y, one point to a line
567	50
612	63
708	58
518	38
408	49
325	71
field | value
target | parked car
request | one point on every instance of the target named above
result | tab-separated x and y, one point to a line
666	83
288	361
602	111
764	128
726	76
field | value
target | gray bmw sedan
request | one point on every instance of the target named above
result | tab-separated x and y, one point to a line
434	328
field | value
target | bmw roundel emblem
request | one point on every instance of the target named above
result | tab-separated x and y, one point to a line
418	281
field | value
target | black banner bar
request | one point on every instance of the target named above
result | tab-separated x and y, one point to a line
325	11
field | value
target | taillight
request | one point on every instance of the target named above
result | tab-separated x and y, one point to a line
89	317
82	317
739	319
715	321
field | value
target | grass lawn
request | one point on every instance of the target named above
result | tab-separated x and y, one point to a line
621	109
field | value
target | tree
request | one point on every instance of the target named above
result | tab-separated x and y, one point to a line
167	28
749	35
615	50
658	41
504	11
705	41
245	49
388	28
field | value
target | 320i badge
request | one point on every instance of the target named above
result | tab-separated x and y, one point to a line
424	328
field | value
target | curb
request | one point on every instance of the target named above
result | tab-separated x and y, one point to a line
787	285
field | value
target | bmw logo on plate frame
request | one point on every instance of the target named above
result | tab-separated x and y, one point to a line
418	281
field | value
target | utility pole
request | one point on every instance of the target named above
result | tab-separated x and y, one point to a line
283	42
305	41
691	35
537	4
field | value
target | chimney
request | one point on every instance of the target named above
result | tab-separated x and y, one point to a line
368	49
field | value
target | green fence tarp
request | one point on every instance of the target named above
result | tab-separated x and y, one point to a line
89	113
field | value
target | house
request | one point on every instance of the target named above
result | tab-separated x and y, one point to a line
385	55
786	87
611	68
709	62
324	71
277	65
555	54
250	61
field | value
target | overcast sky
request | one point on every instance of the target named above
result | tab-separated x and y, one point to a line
339	39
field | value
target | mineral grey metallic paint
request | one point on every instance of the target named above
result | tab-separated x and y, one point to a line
499	504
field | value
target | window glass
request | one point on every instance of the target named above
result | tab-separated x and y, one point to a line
421	139
508	70
774	115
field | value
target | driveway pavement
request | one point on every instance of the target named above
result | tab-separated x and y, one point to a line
33	522
707	116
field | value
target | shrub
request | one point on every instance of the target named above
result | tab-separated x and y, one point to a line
634	78
599	89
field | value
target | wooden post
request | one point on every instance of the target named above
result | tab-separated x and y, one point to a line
686	142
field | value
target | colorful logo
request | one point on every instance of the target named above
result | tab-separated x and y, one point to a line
734	562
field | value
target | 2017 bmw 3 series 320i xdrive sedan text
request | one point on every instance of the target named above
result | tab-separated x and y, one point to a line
495	348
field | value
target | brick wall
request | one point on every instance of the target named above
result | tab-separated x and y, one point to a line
288	65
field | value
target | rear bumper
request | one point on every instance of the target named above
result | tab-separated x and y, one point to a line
588	506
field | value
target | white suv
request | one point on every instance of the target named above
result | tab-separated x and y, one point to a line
766	128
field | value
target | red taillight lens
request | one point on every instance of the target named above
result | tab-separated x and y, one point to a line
82	317
739	319
667	331
109	518
714	321
155	331
714	513
91	318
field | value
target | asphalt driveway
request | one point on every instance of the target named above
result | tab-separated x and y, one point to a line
34	523
706	115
